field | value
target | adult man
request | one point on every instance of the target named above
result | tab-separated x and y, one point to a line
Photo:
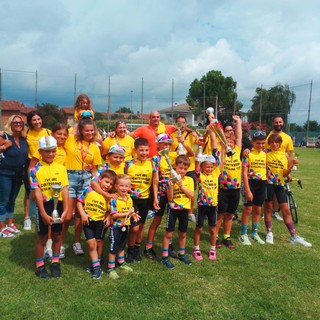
286	146
151	131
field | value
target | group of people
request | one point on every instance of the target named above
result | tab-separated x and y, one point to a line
112	185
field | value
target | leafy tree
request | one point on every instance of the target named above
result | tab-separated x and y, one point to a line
295	128
51	114
276	101
98	116
210	86
313	125
124	110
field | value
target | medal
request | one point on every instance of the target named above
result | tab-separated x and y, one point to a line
123	229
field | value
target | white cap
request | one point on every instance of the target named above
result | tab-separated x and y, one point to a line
208	158
47	143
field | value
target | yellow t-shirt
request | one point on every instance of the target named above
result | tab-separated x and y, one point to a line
81	154
120	206
276	163
286	145
256	162
141	173
208	187
33	138
230	176
43	175
127	143
189	141
60	156
180	200
95	204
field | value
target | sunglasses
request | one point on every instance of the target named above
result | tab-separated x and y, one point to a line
120	122
17	123
259	134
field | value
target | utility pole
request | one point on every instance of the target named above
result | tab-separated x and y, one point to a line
309	112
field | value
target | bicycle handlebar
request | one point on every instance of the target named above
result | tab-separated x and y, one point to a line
294	179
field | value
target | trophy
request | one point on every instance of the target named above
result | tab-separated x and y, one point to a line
216	127
181	149
210	112
201	133
56	188
175	176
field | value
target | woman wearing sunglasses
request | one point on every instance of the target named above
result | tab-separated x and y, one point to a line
14	154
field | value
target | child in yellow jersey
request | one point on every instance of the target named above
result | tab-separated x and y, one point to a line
254	182
160	186
82	104
121	211
278	168
180	196
42	177
208	197
93	209
141	173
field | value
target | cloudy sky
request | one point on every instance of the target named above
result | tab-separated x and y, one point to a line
166	43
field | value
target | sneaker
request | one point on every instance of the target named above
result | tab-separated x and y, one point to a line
166	262
55	269
47	254
172	252
129	256
218	243
62	252
197	255
212	255
256	238
27	224
89	269
136	254
96	273
113	274
42	273
300	240
13	228
151	254
244	239
125	267
184	258
228	243
269	238
277	216
5	233
77	249
192	217
151	214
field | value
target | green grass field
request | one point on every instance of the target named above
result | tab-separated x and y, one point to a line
258	282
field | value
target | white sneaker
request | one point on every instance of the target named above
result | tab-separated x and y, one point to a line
244	239
77	249
47	254
192	217
300	240
256	238
5	233
277	216
269	238
151	214
27	224
13	228
62	252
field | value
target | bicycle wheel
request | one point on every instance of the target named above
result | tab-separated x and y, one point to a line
293	208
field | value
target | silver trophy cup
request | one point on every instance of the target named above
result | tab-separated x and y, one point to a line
56	188
174	175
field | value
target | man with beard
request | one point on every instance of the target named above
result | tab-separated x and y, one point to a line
286	146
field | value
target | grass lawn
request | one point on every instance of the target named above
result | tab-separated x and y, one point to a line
258	282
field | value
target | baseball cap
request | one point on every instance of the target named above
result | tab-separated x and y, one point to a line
163	137
117	149
47	143
208	158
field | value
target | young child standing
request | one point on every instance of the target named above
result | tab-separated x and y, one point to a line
42	177
93	209
278	168
208	197
141	172
180	196
121	212
254	183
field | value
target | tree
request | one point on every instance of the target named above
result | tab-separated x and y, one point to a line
210	87
124	110
51	115
267	103
313	125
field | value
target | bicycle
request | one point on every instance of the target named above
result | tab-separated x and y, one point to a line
291	201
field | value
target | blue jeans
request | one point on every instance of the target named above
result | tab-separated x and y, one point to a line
9	190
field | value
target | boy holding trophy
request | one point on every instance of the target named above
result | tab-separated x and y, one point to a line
49	181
